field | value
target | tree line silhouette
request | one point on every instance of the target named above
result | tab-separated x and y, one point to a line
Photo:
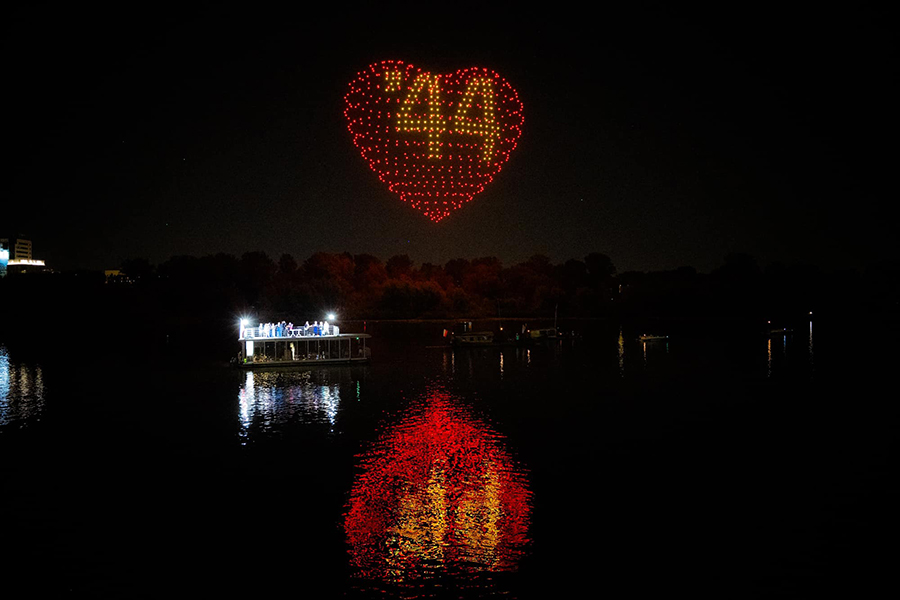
205	293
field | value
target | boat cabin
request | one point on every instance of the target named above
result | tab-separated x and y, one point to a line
264	348
462	335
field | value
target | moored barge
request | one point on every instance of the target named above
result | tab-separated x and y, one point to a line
261	348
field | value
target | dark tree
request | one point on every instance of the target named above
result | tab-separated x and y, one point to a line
287	266
456	269
599	266
255	272
399	266
138	269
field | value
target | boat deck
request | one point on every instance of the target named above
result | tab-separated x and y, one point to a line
299	350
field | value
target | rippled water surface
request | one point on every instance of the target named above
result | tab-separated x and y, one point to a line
437	493
21	392
721	460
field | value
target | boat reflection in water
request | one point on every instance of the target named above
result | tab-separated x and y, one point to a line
437	497
21	392
270	400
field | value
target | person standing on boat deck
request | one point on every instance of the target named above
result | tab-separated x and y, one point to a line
306	328
324	327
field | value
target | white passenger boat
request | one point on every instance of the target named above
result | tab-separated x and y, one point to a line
298	346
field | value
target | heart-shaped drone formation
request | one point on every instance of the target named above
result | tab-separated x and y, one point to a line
435	140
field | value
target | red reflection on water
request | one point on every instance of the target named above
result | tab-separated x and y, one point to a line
437	493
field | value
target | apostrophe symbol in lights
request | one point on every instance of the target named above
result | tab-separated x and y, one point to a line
437	494
434	140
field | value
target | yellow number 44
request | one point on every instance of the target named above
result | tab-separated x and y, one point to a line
433	124
486	126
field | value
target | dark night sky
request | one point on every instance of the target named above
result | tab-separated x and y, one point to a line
661	138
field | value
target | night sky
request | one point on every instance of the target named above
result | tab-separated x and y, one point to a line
661	139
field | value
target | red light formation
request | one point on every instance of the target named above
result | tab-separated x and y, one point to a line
435	140
437	493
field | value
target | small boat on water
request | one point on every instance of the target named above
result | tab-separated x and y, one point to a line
264	347
537	336
462	335
541	334
474	338
780	331
652	338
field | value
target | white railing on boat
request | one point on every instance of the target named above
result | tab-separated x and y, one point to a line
258	333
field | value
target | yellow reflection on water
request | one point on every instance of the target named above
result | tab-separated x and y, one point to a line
420	531
478	520
436	494
622	354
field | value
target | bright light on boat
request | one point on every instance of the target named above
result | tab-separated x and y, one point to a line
330	317
244	322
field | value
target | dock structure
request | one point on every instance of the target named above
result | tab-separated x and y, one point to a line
294	348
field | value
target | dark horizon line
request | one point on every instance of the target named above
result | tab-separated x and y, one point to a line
418	264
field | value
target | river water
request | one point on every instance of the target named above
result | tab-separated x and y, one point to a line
720	461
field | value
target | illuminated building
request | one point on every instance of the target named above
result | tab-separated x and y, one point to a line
22	249
18	256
